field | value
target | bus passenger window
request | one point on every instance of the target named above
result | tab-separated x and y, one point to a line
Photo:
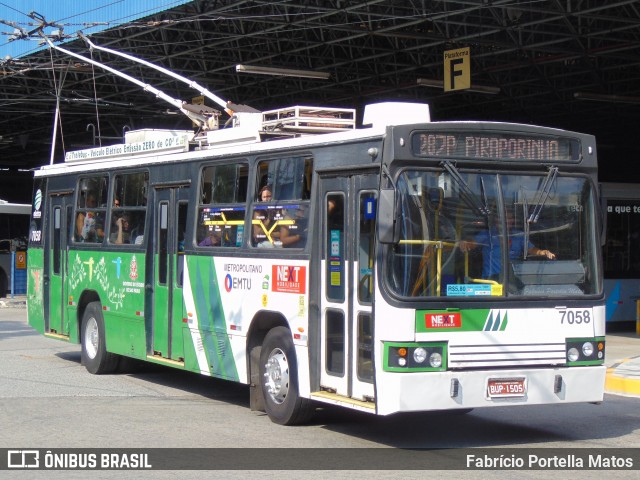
281	214
221	214
288	178
129	209
366	250
181	227
335	348
91	209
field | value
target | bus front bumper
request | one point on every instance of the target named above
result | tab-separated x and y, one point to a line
424	391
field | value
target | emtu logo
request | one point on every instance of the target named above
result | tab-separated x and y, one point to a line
37	204
37	201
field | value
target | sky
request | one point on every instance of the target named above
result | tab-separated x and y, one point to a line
73	15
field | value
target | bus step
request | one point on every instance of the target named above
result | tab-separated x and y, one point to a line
330	397
57	335
166	361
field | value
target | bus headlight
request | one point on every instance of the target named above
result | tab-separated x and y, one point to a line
585	351
435	360
572	354
419	355
415	357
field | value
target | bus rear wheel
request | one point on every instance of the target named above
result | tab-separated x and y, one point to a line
94	353
279	380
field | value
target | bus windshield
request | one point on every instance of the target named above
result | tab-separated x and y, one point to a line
493	234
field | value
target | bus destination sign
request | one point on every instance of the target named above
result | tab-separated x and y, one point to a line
496	146
168	144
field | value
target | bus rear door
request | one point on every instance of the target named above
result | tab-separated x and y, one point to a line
348	209
170	209
55	263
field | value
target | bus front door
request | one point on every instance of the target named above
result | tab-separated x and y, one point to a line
170	211
55	264
348	220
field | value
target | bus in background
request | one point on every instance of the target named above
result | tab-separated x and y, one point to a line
14	227
621	254
408	266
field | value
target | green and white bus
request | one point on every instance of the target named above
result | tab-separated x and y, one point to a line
407	266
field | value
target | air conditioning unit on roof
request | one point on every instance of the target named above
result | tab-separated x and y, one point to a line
310	119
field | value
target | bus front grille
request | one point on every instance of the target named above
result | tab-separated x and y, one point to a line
509	355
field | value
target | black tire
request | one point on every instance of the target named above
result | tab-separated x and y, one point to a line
94	354
279	380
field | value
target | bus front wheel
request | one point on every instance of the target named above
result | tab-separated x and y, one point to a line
279	380
94	354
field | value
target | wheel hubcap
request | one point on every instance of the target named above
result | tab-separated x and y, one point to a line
276	377
91	338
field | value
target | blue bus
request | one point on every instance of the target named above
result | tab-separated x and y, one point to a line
14	227
621	253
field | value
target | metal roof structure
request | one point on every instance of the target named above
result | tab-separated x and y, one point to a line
572	64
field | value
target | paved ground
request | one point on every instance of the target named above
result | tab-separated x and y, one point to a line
622	356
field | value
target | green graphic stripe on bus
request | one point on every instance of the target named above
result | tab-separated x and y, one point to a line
496	322
454	320
211	319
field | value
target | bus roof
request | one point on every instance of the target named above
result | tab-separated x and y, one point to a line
218	151
288	128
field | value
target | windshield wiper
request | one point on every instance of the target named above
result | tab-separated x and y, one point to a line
525	212
541	197
543	194
466	194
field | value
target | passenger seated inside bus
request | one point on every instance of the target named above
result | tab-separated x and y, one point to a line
123	230
89	225
294	235
264	231
208	237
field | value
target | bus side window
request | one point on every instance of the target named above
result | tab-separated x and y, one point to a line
181	226
129	208
280	214
222	210
91	209
290	178
366	246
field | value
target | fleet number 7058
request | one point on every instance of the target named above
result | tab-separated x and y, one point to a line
576	317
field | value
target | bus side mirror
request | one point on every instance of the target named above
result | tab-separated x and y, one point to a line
387	217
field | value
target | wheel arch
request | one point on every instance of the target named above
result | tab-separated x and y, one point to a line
86	297
262	323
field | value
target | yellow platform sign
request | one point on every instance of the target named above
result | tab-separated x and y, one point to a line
457	69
